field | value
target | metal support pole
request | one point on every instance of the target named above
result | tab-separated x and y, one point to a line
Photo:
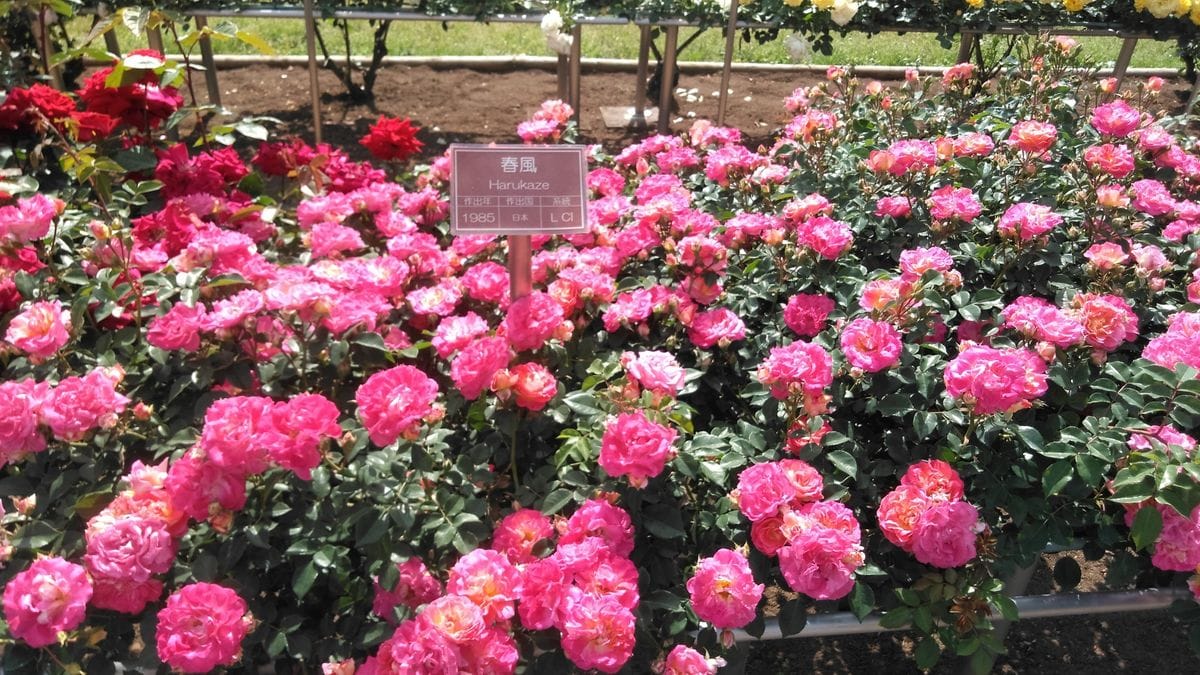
1123	59
1195	94
155	40
314	86
730	35
46	47
576	68
966	43
668	79
643	67
563	70
210	66
520	265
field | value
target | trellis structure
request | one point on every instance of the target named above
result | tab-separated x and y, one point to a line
570	66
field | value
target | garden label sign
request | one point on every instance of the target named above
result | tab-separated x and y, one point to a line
518	191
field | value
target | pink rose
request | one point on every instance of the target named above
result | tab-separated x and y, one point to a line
41	330
302	424
1107	320
820	563
1027	221
806	313
634	446
935	479
519	532
995	380
945	534
201	626
49	596
598	518
1032	137
716	327
19	431
723	592
179	328
128	547
828	237
899	512
475	366
871	345
531	321
78	405
658	372
597	632
762	489
1117	119
393	403
487	579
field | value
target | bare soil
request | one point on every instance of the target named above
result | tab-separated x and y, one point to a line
464	105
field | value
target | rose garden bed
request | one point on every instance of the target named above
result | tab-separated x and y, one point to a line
264	411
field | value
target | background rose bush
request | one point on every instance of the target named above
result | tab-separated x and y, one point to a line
881	363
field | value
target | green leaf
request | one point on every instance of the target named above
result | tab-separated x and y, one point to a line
255	41
896	618
862	600
1007	607
793	616
1032	438
1056	477
924	423
928	652
256	131
555	501
664	522
1147	525
302	580
844	462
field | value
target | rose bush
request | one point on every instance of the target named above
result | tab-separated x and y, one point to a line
262	409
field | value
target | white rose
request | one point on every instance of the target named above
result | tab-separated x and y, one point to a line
559	43
843	11
552	22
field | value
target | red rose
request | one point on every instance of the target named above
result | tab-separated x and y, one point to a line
392	139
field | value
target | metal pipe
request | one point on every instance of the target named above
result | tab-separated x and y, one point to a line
666	82
576	69
1028	606
730	35
605	65
210	66
314	86
643	70
1123	58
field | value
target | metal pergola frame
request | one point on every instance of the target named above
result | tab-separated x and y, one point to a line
569	66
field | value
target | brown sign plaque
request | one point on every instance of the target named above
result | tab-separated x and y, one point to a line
518	189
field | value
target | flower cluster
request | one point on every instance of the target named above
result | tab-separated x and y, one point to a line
818	542
68	410
927	516
587	590
988	380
